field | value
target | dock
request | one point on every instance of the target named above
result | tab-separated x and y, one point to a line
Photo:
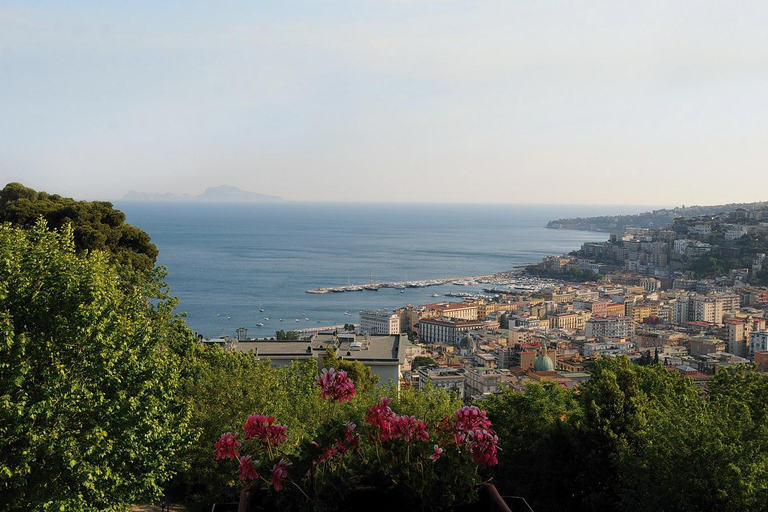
422	283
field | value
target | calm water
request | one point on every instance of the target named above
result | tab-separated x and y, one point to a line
225	262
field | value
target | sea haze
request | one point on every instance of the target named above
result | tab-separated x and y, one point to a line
227	261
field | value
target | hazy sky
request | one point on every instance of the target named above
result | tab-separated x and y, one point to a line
384	100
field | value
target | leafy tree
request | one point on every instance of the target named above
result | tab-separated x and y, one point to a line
538	435
96	224
90	413
281	335
421	361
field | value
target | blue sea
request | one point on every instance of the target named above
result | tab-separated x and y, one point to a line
226	262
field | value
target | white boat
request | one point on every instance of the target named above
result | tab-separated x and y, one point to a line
260	324
266	319
435	294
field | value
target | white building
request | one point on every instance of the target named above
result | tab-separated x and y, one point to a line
379	322
607	348
758	341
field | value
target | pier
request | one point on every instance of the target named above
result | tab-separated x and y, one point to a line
497	278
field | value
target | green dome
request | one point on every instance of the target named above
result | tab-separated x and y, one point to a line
543	364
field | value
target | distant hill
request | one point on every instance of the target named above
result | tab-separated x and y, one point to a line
653	219
222	194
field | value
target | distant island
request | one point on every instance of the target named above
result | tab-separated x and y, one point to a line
652	219
222	194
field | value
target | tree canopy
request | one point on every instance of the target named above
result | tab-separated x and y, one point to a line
90	412
96	225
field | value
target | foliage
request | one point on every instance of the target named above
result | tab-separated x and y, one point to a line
96	225
421	361
90	415
636	438
423	462
281	335
223	387
538	438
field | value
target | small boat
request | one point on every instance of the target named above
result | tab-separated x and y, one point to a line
435	294
346	313
260	324
297	319
266	319
261	309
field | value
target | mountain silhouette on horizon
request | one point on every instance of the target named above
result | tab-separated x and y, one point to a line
221	194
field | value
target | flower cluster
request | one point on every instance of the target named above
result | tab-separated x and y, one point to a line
226	447
262	428
383	452
390	426
380	417
473	427
408	428
484	448
335	385
248	468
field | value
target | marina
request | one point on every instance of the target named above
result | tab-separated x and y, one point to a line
499	278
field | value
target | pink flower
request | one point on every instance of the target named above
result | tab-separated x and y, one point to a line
335	385
261	427
408	428
280	474
350	437
248	469
484	448
438	452
380	416
226	447
471	418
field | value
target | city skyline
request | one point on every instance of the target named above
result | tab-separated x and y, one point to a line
389	101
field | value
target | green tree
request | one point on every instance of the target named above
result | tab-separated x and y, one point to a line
538	435
281	335
90	415
96	224
421	361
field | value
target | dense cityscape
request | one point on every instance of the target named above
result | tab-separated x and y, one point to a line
690	295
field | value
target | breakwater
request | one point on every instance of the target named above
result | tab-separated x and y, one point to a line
505	277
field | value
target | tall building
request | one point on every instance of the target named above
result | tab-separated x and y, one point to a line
379	322
610	327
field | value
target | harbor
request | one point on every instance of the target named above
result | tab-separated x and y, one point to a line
499	278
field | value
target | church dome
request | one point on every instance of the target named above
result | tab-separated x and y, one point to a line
543	364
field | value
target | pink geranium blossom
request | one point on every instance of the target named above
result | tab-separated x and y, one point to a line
226	447
380	416
261	427
438	452
335	385
248	469
280	474
484	448
409	428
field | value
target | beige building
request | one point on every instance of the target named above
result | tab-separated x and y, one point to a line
701	345
459	311
572	320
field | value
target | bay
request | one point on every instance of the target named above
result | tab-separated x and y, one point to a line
227	261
